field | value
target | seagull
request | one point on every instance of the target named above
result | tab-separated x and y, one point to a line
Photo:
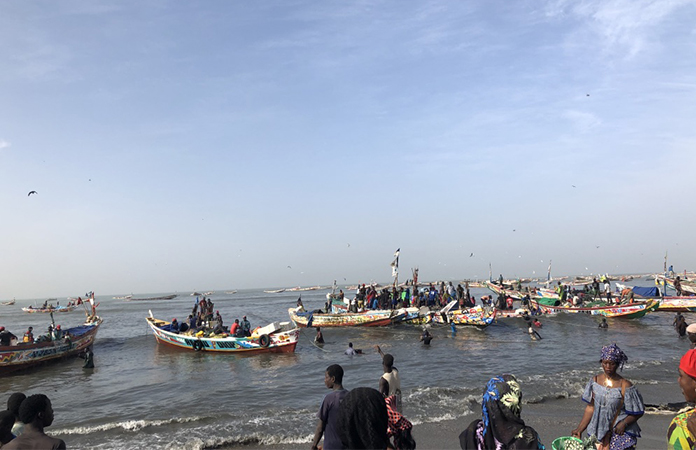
514	230
31	192
573	185
597	246
348	245
289	267
588	95
471	256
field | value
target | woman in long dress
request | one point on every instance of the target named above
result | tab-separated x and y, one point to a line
614	405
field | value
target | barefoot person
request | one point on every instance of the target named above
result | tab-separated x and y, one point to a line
37	413
614	405
328	413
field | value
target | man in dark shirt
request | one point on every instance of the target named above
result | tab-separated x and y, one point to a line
6	337
328	413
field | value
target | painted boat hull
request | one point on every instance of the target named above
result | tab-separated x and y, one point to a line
678	304
370	318
23	356
283	341
477	317
49	310
628	311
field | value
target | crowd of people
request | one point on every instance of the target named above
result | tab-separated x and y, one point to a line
203	319
54	333
22	424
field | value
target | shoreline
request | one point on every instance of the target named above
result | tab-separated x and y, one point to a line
551	420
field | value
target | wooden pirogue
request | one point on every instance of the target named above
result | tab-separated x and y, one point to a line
273	338
369	318
628	311
25	355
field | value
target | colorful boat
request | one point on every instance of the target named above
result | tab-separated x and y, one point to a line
369	318
477	316
678	304
53	309
628	311
273	338
24	355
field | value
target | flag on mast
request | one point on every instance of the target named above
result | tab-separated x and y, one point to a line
548	274
395	263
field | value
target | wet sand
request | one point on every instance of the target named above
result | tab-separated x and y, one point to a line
550	419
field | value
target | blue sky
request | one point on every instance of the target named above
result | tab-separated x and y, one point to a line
178	145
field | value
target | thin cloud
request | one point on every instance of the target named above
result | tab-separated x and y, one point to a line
622	26
582	121
4	144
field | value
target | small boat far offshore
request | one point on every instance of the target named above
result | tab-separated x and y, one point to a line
163	297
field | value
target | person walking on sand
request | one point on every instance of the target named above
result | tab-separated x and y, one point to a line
389	382
327	425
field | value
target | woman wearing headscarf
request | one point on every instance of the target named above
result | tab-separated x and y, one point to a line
682	431
500	426
614	405
363	420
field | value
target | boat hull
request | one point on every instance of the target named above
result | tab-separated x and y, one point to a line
283	341
24	356
627	311
49	310
477	317
374	318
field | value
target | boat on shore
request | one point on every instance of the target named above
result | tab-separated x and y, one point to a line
25	355
277	337
368	318
163	297
50	309
627	310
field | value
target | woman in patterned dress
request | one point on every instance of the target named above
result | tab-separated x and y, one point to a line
681	432
614	405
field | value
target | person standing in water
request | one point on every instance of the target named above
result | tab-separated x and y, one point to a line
389	382
328	413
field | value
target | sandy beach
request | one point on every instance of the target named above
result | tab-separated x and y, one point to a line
550	420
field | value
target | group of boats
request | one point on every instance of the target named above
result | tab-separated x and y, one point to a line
281	337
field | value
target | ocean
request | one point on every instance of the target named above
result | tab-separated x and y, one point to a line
144	395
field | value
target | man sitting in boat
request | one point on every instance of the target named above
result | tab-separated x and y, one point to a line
57	333
174	327
6	337
234	327
29	336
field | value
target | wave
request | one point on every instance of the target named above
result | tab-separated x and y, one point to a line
128	425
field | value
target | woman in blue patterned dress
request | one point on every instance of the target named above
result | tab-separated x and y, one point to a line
614	405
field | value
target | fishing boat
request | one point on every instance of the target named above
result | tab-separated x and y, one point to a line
9	303
274	338
50	309
278	291
24	355
369	318
683	303
628	311
477	316
163	297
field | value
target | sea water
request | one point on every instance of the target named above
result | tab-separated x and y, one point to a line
145	395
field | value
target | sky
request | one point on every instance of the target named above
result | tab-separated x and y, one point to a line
201	145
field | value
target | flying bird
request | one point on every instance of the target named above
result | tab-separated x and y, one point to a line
514	230
573	185
596	246
471	256
31	192
289	267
